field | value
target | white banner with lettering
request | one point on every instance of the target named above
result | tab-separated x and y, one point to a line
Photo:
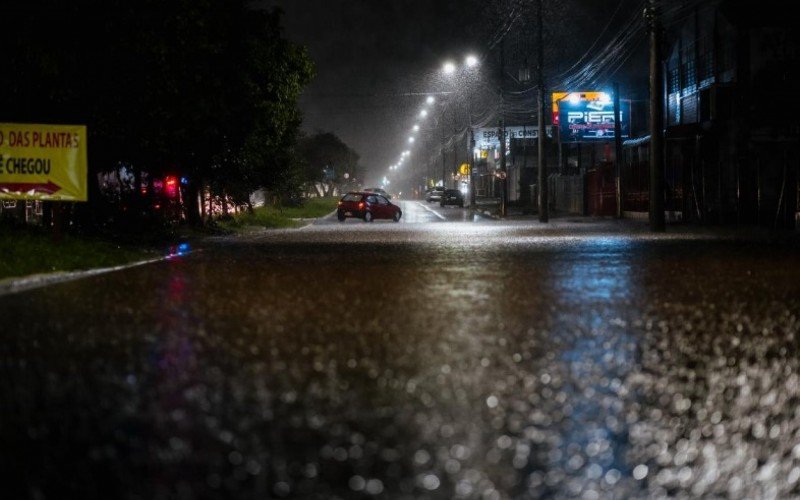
489	137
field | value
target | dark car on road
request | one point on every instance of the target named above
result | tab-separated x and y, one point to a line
452	197
367	206
434	194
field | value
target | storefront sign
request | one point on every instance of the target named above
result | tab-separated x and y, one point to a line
489	137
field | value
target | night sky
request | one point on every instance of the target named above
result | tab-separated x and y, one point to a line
373	56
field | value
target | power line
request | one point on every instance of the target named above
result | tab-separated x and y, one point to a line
596	40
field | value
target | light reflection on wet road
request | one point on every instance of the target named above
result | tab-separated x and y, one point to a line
427	360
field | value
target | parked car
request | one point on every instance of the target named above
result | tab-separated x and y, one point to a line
367	206
380	191
452	197
434	194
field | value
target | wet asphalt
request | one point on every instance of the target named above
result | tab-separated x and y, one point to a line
433	359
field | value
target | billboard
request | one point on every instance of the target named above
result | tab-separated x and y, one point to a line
43	162
586	120
559	97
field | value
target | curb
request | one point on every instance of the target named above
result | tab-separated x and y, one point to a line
486	214
20	284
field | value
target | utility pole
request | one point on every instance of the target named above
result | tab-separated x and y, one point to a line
503	172
472	195
444	162
544	215
455	153
618	150
454	171
652	16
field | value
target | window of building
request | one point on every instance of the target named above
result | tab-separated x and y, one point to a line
674	82
689	76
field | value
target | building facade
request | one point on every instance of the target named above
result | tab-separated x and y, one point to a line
732	121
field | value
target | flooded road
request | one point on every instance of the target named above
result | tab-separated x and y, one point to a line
427	360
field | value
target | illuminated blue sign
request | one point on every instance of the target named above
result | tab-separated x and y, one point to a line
591	120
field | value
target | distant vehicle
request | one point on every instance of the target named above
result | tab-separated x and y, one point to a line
434	194
367	205
452	197
380	191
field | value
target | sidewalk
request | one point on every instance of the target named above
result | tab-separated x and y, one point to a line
489	208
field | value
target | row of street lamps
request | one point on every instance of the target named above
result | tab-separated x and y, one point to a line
412	138
449	69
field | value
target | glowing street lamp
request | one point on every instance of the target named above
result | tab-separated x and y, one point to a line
411	140
423	113
416	128
430	99
449	67
471	61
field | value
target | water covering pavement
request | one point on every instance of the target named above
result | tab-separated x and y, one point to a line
430	360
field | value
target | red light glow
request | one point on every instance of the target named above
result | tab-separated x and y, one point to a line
171	186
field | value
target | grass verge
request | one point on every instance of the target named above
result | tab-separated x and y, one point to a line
272	217
29	251
32	250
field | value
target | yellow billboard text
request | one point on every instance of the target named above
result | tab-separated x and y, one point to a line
43	162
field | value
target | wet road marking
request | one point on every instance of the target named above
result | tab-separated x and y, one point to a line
434	212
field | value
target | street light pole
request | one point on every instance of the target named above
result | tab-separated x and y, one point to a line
618	151
503	173
444	162
544	215
472	195
657	222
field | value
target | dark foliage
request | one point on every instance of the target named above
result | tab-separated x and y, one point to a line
324	160
203	89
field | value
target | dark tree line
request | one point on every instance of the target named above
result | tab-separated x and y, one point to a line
205	89
327	163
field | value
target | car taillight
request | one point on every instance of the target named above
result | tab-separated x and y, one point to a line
361	205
